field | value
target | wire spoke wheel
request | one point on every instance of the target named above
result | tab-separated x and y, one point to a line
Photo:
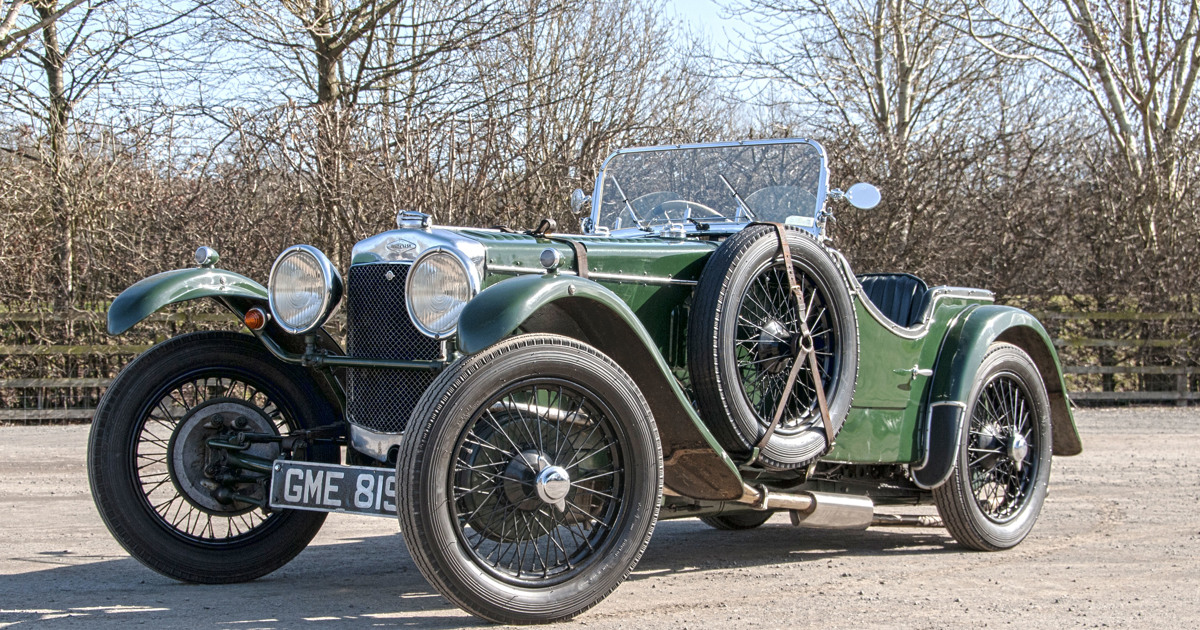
1001	446
539	481
170	493
177	471
768	340
995	492
531	480
746	334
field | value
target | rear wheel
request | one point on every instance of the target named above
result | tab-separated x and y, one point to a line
174	502
995	493
737	521
530	482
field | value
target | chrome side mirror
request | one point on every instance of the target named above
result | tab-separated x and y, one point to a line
863	196
579	200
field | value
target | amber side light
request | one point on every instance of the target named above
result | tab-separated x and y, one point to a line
255	319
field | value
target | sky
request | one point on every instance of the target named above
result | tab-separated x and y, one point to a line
702	13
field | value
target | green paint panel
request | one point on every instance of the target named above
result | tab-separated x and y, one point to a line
881	353
151	294
872	436
885	416
649	257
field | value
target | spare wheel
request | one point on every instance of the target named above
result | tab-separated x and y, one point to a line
744	335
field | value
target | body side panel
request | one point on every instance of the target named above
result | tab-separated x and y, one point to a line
885	417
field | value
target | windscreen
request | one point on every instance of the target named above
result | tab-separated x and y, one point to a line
776	182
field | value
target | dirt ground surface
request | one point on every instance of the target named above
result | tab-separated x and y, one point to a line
1117	545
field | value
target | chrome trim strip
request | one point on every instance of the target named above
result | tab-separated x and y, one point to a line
377	445
936	294
716	145
690	229
597	275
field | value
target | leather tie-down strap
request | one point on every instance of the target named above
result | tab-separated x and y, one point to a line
544	230
807	347
581	264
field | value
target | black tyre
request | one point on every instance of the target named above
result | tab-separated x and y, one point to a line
737	521
530	481
995	493
744	334
155	479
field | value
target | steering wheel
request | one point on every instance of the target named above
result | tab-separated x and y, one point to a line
682	206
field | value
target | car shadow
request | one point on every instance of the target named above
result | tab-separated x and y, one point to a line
689	545
364	582
372	580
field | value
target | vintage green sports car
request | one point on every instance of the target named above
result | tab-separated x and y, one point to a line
531	403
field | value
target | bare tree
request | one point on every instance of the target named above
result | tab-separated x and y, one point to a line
568	92
329	46
78	54
1135	64
338	55
14	35
898	80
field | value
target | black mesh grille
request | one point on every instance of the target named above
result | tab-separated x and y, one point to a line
379	328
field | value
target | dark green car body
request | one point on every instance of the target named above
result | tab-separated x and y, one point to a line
639	290
912	381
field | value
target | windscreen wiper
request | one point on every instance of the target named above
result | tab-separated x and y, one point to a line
741	204
640	223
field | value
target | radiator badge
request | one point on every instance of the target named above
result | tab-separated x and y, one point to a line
400	248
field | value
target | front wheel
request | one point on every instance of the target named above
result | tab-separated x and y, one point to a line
177	504
995	493
530	481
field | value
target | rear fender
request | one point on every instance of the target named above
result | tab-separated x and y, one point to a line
962	352
235	292
695	465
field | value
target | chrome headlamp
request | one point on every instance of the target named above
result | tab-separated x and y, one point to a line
304	289
439	285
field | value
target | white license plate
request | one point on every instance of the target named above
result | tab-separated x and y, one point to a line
333	488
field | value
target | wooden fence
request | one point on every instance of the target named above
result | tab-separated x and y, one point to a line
1182	376
30	400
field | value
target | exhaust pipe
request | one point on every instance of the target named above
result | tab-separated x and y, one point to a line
814	509
907	520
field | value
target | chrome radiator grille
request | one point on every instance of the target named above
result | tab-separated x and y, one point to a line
379	328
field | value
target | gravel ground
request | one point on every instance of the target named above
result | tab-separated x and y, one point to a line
1116	546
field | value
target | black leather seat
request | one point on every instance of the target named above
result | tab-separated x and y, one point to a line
899	296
